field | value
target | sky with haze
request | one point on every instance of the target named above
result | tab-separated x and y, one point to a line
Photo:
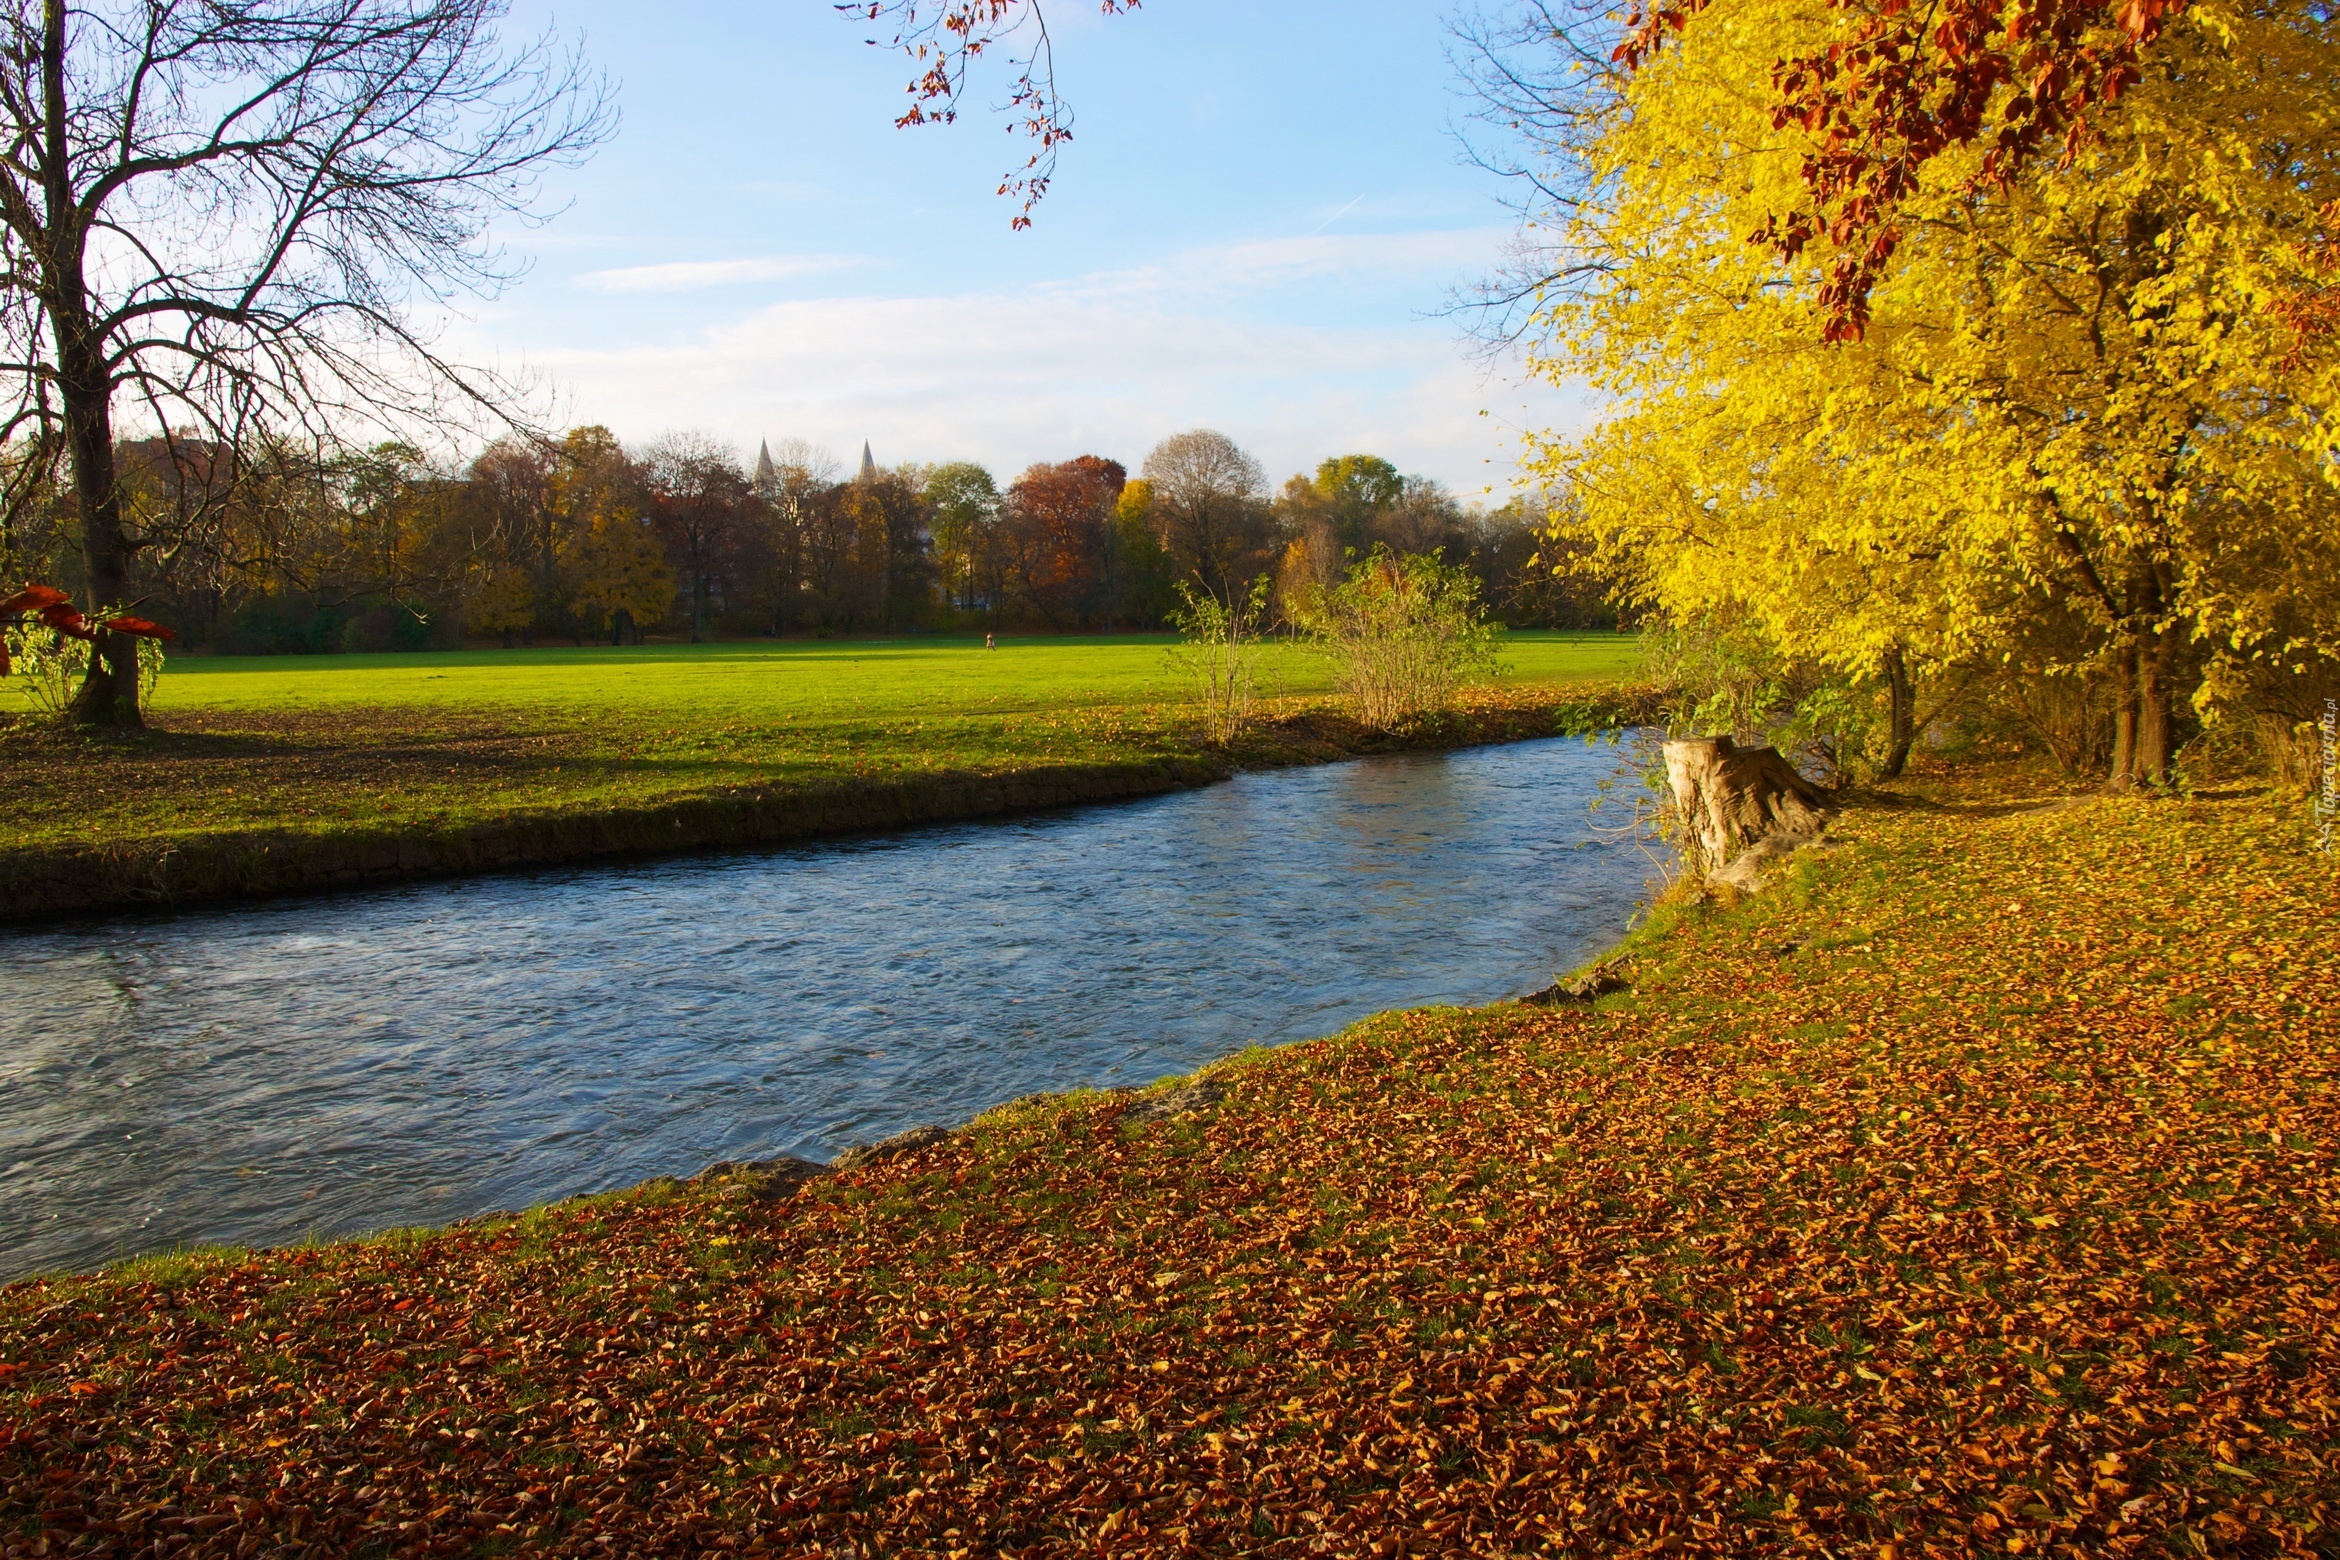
1260	219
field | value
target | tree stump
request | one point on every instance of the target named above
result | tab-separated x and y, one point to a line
1733	798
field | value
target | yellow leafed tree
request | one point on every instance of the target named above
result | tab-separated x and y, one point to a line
612	559
2081	439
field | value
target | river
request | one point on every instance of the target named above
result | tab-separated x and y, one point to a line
325	1066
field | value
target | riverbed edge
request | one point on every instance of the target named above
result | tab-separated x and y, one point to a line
94	877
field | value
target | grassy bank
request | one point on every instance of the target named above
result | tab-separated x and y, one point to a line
1972	1191
284	773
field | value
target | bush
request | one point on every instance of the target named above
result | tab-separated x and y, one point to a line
1219	642
1729	678
1407	632
53	664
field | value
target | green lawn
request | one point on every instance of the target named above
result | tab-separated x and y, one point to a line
368	743
796	681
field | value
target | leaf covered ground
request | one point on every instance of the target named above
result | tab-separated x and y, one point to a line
1971	1191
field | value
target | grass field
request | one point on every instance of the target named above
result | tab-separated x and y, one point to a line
793	681
433	741
1974	1191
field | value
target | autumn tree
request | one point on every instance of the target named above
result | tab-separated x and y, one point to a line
511	486
1426	518
1330	518
1894	92
701	502
833	587
1354	504
1210	509
1356	491
224	215
946	38
795	488
965	504
1053	530
611	560
2069	440
892	571
1140	582
1889	96
404	542
1313	557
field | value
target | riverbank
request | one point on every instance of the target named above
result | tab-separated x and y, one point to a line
224	802
1973	1189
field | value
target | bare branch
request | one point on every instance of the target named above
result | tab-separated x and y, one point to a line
946	37
226	218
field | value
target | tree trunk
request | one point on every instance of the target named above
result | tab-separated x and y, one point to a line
2124	755
548	597
2156	722
1901	696
109	692
1731	798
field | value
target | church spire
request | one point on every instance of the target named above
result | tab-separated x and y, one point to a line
766	473
868	466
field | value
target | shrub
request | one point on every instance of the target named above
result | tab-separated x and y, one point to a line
1406	632
53	664
1218	646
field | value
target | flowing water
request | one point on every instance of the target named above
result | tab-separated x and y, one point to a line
413	1055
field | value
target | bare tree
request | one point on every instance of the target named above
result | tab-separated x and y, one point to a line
230	214
1210	505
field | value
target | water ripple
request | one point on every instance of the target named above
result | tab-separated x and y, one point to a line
412	1055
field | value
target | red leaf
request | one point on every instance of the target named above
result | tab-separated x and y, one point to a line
139	625
68	622
33	598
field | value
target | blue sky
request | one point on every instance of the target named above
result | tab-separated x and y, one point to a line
1256	224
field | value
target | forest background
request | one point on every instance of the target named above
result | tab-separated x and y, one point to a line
582	539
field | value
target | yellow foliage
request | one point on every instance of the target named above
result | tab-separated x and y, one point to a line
618	566
2078	436
503	597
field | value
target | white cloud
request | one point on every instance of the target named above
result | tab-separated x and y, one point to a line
1420	262
692	275
1262	340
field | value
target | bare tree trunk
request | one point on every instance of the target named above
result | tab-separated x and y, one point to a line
109	692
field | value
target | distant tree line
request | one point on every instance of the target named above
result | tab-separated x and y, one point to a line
583	539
